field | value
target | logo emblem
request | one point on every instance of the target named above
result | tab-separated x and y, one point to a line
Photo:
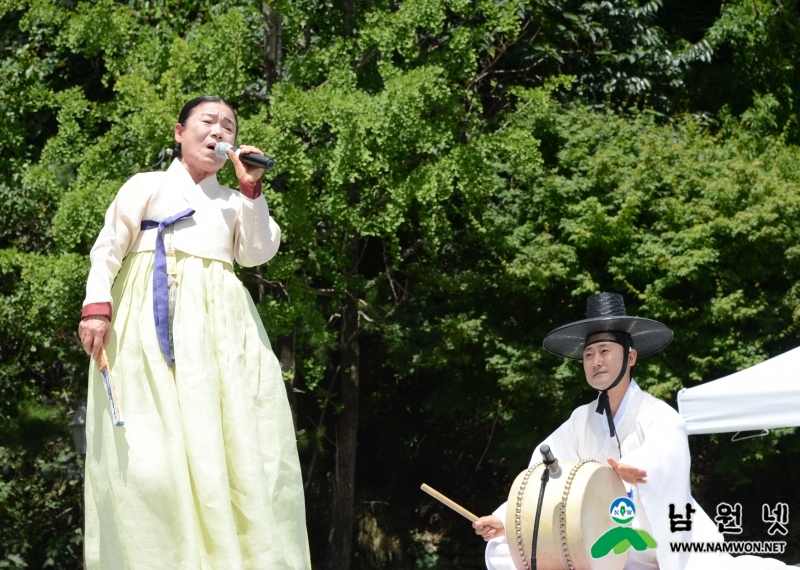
622	510
621	538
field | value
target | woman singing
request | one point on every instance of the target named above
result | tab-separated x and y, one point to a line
205	473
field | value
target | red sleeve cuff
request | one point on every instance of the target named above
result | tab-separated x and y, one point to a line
252	191
96	310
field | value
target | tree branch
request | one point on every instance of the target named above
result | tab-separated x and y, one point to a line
494	425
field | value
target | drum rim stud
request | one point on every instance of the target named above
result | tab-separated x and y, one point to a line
517	521
563	511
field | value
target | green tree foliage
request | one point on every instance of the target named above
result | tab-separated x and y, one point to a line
756	46
447	196
695	229
84	107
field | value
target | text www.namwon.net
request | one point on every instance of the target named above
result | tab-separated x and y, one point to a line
732	547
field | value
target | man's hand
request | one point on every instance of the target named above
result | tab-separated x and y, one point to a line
489	527
628	473
95	333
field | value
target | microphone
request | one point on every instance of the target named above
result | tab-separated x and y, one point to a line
550	461
264	162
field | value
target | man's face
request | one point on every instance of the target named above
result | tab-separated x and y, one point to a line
602	360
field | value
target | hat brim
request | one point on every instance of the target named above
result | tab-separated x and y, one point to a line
648	336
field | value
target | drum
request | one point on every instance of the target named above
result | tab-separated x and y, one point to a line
575	513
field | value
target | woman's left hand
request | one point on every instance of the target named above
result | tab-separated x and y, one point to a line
246	172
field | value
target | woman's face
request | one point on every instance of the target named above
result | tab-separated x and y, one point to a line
208	124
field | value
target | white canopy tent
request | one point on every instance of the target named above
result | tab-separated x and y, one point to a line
764	396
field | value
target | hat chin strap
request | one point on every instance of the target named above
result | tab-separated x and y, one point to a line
603	403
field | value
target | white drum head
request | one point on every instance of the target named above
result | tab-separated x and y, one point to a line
587	489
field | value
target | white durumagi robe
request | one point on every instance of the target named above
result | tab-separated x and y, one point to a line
653	437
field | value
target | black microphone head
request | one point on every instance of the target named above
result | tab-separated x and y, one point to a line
547	454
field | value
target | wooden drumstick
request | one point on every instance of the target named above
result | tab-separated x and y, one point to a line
450	503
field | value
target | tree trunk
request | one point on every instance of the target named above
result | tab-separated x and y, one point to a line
273	45
284	350
341	536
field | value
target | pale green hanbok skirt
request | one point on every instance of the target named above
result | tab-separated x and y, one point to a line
205	473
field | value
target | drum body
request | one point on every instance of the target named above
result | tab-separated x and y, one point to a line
586	490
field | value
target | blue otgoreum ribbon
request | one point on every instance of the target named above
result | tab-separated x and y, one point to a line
160	286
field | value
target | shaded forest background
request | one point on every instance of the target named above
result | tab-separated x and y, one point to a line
454	178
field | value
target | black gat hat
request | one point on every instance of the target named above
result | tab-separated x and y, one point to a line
605	312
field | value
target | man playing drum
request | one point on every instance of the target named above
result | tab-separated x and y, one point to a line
641	438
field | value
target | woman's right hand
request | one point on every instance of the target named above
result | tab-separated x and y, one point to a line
489	527
95	333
